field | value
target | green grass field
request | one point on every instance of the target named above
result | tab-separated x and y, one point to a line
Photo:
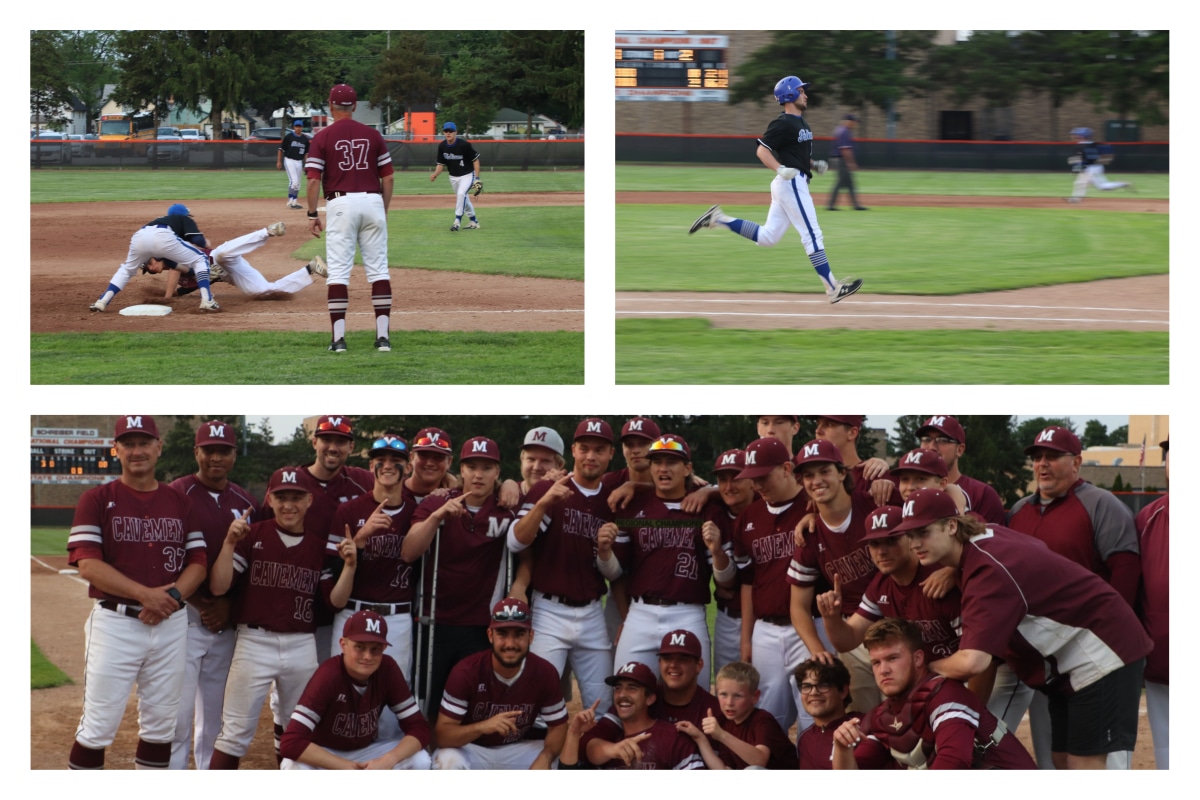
48	541
43	674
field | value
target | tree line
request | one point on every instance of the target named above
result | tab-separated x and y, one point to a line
466	75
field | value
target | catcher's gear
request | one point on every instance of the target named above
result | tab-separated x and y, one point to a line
788	89
787	173
476	187
820	167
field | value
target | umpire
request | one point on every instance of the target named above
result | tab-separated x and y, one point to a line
842	153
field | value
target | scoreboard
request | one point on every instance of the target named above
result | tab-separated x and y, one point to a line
71	456
671	67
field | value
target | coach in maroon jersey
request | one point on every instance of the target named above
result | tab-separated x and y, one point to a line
351	165
336	722
945	435
825	691
926	721
141	550
217	502
1060	627
493	697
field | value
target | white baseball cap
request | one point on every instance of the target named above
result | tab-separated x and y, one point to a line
544	437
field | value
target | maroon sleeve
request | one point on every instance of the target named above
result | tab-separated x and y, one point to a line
87	529
428	506
401	701
991	507
1125	570
298	736
871	754
992	607
954	742
197	550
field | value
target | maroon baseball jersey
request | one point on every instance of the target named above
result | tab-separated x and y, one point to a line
608	726
215	512
148	537
940	724
940	620
814	747
661	548
336	713
763	543
760	728
843	552
564	551
279	586
349	483
471	552
982	499
348	157
666	748
381	576
473	693
1154	595
1057	624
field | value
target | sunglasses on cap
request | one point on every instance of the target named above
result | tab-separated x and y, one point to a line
427	441
510	615
329	427
669	445
396	445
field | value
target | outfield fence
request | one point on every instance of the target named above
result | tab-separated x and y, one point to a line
892	153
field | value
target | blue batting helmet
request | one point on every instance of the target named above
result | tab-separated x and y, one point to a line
1082	132
788	89
179	208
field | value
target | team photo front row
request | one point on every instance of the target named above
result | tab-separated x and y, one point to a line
807	609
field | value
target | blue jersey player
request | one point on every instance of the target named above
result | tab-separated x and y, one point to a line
786	148
1089	161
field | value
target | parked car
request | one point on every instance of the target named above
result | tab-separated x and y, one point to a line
76	144
169	146
191	134
49	147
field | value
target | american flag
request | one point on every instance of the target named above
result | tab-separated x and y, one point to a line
1142	455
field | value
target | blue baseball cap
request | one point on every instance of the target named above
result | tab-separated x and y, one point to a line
179	208
297	122
450	126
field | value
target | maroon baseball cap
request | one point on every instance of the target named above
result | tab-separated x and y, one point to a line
945	424
925	507
637	672
365	626
343	95
511	613
216	432
136	423
1056	438
432	440
852	421
881	523
819	451
730	461
681	641
480	447
762	456
286	479
642	427
334	425
670	444
928	461
594	427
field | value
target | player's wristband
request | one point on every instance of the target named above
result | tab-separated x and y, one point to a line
313	215
174	593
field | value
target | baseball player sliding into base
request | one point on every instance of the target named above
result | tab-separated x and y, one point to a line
786	149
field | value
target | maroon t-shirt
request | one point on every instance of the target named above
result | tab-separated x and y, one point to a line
215	512
279	586
1154	594
474	693
471	551
148	537
661	548
814	747
939	619
763	543
983	499
666	748
758	728
381	576
827	552
336	713
349	157
1057	624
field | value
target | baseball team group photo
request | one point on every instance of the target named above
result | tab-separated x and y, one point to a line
282	207
953	201
606	592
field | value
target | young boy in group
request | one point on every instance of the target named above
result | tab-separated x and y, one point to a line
745	736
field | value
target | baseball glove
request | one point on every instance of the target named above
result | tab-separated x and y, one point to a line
476	187
215	271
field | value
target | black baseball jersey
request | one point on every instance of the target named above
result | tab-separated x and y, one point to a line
458	157
295	147
789	139
184	227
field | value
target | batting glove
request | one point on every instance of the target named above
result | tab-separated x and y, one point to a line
787	173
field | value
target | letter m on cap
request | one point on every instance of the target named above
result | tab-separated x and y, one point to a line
626	669
1046	435
939	421
287	477
750	454
879	521
913	458
539	436
133	422
908	508
335	421
217	431
372	626
729	459
479	447
593	427
812	450
678	639
635	424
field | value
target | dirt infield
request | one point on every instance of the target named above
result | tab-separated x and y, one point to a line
74	248
1125	304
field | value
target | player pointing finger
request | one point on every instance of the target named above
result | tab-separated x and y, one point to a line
238	528
830	603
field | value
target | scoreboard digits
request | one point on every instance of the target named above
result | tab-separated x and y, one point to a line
685	67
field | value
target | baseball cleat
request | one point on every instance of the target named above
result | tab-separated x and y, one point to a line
473	225
454	227
338	347
844	289
276	229
383	345
317	267
210	305
706	219
861	208
99	305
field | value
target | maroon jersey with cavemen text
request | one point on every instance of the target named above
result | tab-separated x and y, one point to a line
763	543
473	693
279	586
661	548
842	552
381	576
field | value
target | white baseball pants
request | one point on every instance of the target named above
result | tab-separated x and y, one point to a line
791	205
356	220
563	633
1010	698
645	627
1158	712
727	641
462	200
294	168
776	650
203	694
1095	176
154	242
518	755
418	760
239	272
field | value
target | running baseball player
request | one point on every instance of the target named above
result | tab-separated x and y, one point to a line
352	164
216	501
175	237
493	697
926	721
945	434
1088	162
459	158
786	150
291	154
336	722
141	549
1153	527
825	691
278	566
